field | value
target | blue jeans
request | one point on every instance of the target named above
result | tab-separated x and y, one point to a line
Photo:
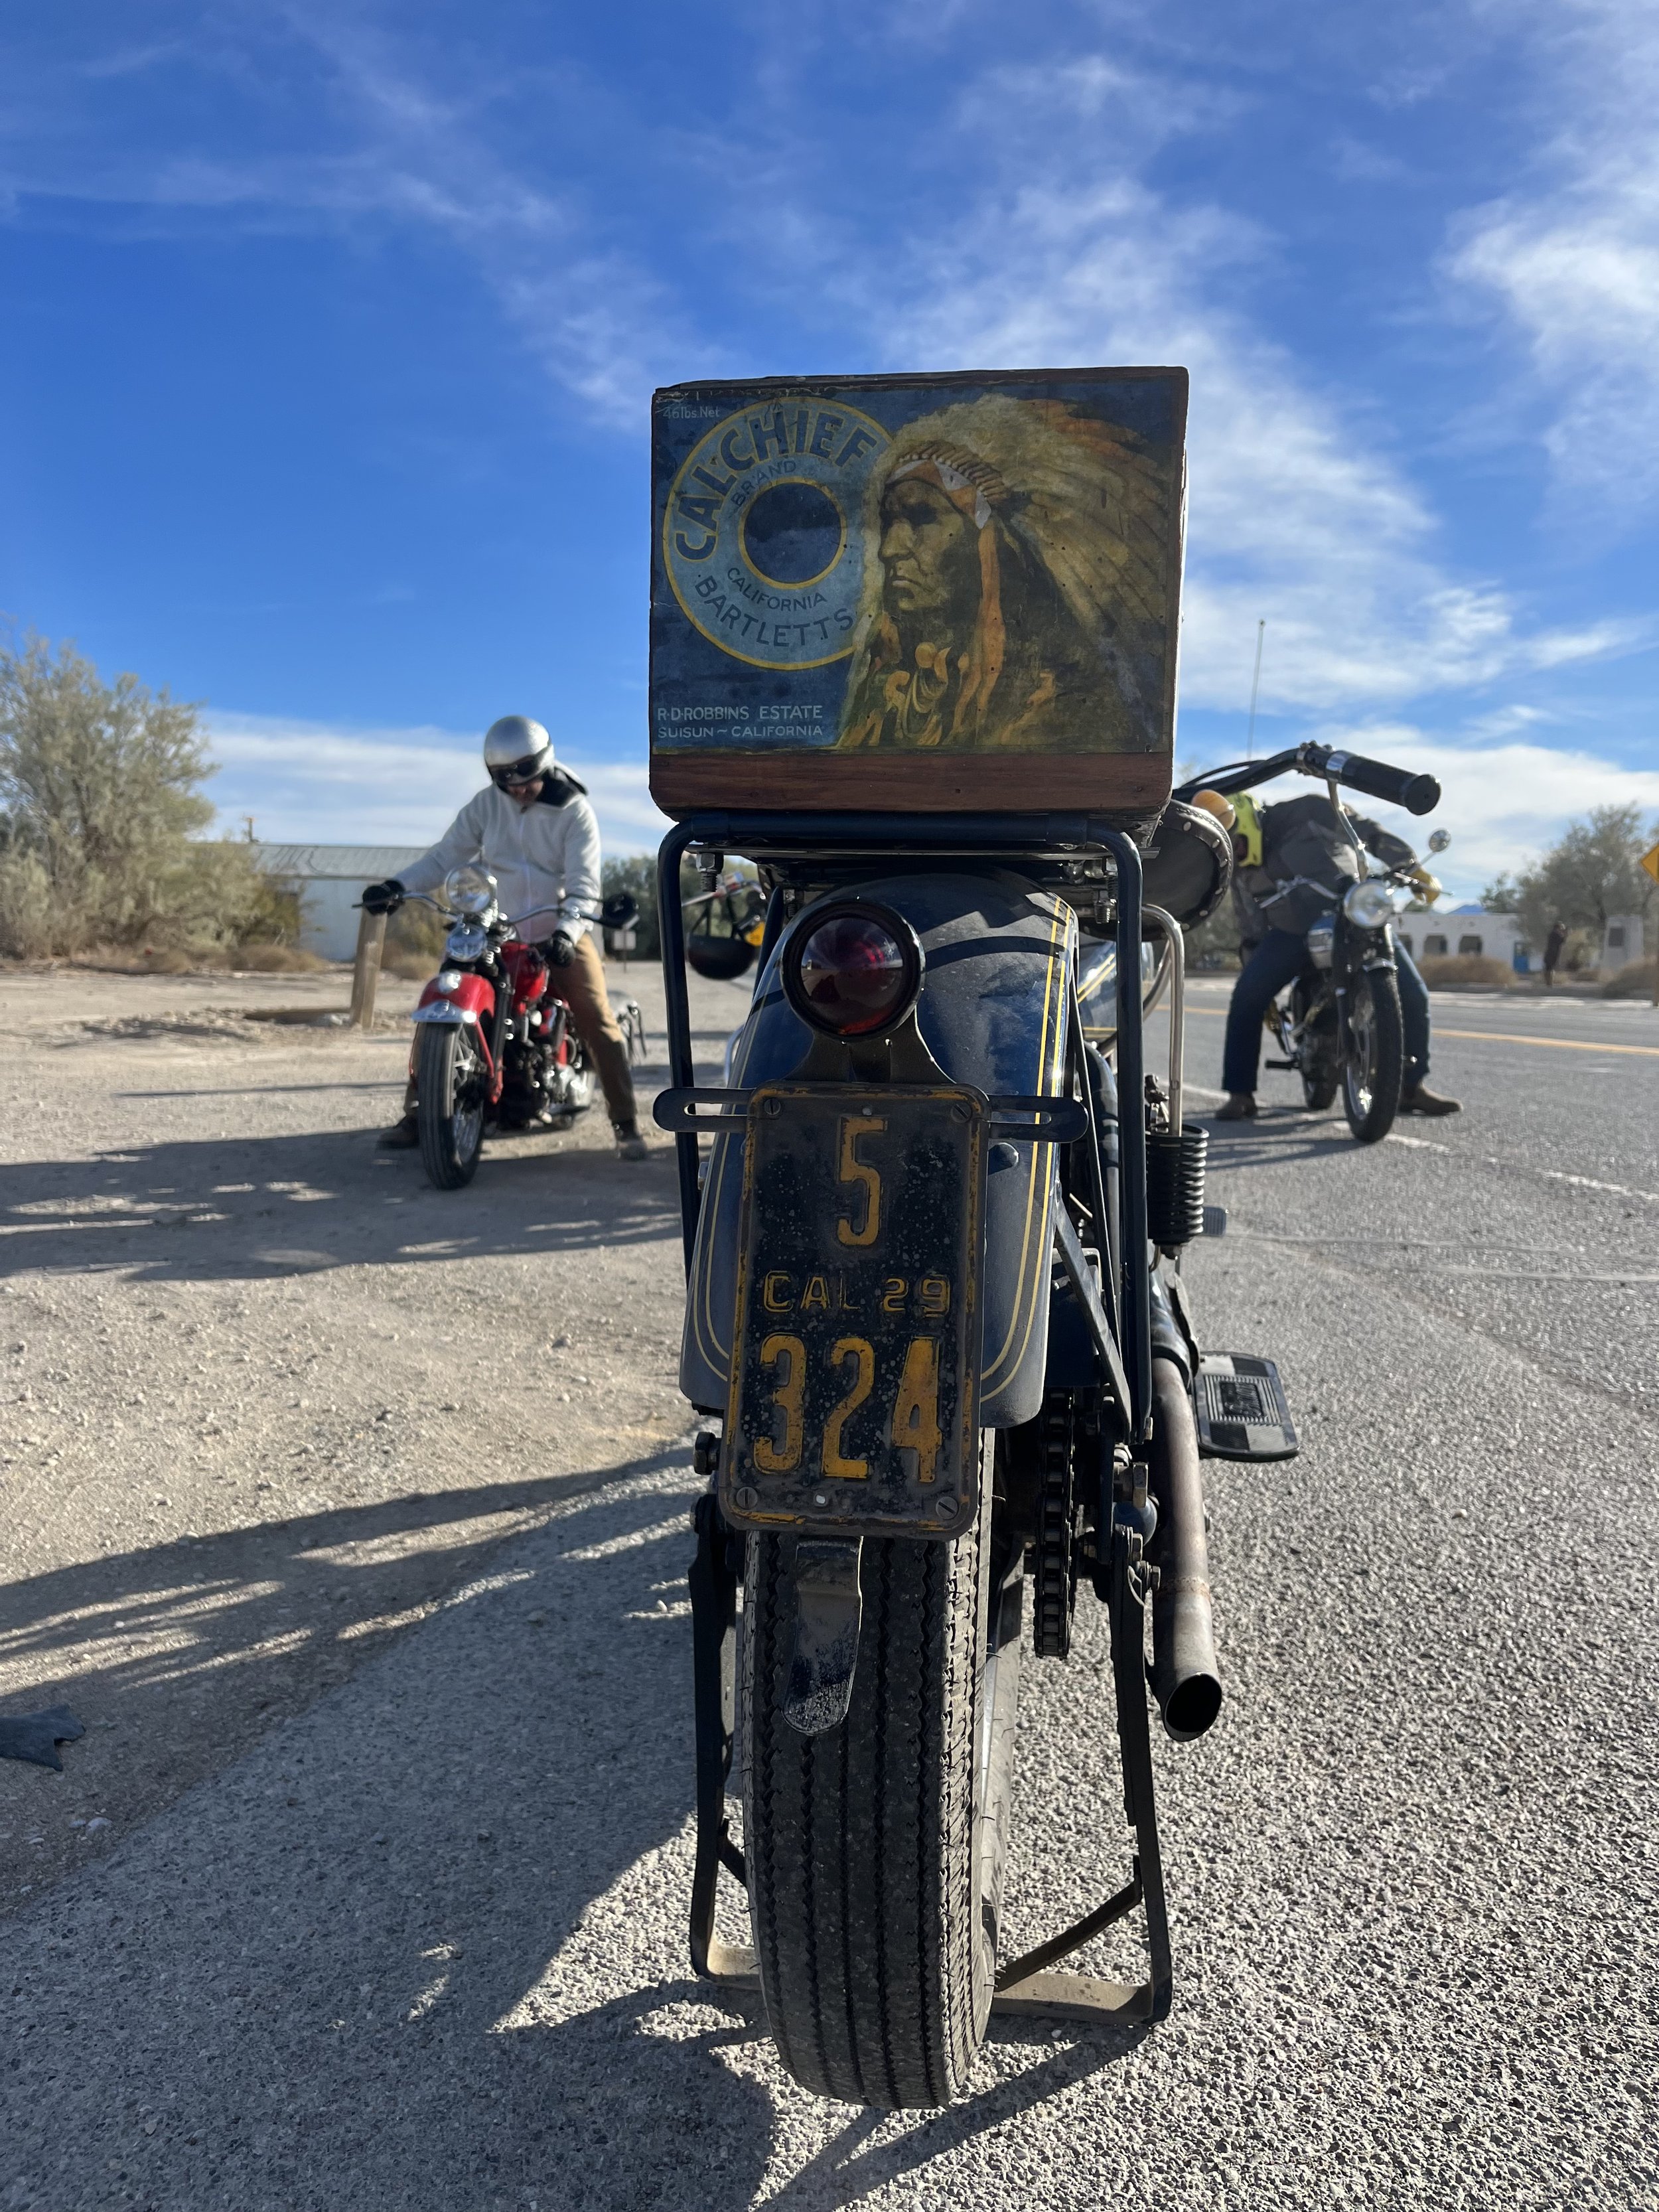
1274	967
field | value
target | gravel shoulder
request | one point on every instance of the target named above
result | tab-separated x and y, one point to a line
268	1396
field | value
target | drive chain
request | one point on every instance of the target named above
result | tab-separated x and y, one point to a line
1055	1584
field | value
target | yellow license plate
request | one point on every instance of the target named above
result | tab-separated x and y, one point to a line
854	1403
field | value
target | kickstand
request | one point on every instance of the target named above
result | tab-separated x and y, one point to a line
714	1653
1024	1986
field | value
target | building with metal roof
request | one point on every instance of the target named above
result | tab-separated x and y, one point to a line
329	880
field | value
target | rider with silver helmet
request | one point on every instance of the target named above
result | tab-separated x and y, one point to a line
532	828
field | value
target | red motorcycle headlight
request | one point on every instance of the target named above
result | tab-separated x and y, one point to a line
853	970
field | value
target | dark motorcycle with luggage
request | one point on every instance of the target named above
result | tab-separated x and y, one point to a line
1340	1026
952	1381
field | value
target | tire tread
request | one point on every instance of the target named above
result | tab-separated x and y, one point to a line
860	1841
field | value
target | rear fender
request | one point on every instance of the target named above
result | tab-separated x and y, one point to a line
1000	963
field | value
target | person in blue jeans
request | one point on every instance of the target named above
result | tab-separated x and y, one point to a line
1292	862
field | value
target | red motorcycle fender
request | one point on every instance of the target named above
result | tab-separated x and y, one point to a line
473	996
474	1000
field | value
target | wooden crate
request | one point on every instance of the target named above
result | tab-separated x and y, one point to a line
949	593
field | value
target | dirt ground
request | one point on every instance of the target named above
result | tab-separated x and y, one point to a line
268	1398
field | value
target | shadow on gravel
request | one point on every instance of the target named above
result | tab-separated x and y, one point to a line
235	1209
423	1946
852	2165
179	1656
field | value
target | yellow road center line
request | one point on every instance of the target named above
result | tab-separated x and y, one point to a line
1554	1044
1499	1036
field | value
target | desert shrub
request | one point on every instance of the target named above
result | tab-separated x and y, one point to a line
29	927
101	816
1635	981
273	914
216	896
1466	968
98	788
277	960
414	942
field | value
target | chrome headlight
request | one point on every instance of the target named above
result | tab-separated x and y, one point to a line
470	891
468	940
1368	905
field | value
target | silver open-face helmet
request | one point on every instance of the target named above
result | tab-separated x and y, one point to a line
517	751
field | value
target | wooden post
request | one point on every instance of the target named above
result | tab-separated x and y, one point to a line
366	971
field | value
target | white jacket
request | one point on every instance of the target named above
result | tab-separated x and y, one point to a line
544	857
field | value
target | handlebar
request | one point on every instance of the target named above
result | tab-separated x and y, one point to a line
425	898
1417	793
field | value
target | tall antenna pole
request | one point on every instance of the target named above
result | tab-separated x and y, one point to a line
1256	685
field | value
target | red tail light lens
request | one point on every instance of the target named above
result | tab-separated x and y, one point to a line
854	971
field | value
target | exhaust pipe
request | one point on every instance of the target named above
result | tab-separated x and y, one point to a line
1185	1679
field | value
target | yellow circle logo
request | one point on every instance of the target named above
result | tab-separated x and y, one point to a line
760	535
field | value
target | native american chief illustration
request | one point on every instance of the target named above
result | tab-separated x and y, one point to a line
1017	564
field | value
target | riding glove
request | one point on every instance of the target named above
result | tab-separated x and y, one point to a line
383	898
561	949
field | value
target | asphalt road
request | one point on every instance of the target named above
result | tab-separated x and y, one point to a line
417	1940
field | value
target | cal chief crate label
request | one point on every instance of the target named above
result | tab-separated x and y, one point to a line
913	569
853	1390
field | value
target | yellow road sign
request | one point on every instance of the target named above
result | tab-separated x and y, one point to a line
1650	861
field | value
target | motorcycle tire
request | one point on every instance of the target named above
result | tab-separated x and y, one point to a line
875	1850
1374	1066
451	1090
1318	1088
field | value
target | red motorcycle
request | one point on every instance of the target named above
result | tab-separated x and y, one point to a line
495	1047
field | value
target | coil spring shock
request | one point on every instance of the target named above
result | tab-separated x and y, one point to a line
1174	1184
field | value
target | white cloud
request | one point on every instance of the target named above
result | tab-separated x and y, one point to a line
1573	263
1295	516
310	782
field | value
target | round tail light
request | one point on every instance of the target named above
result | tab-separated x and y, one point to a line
852	970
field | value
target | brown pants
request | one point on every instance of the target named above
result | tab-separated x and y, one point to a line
581	986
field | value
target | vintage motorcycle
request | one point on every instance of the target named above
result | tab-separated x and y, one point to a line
494	1043
1339	1023
935	1320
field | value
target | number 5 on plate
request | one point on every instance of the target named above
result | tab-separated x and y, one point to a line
863	1226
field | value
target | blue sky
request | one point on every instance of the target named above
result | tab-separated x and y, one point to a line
327	334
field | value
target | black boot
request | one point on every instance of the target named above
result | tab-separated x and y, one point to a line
1419	1099
401	1137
